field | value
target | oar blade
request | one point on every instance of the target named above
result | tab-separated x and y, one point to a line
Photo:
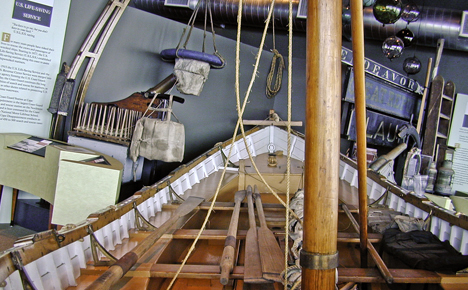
271	255
252	265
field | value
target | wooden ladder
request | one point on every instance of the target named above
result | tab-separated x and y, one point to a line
439	118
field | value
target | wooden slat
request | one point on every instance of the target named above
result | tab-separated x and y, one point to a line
191	271
132	283
221	234
206	234
372	275
359	275
452	282
271	123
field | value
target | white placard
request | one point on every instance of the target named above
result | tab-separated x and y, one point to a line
32	35
458	138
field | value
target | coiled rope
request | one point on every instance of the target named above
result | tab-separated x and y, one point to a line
273	89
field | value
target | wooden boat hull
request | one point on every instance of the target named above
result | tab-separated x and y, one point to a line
64	259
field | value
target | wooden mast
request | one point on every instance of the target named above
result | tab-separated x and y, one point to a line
357	28
319	257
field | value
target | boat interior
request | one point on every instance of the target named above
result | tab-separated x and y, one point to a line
177	229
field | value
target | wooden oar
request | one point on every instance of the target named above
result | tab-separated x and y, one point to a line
252	265
227	259
270	252
118	270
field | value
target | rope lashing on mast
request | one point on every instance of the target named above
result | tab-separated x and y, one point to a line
292	275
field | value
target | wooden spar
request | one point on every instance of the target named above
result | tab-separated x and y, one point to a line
227	259
423	100
357	28
322	144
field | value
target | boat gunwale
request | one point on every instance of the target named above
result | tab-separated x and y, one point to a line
25	249
452	217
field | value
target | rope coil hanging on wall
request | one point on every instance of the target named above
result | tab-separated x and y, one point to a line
274	83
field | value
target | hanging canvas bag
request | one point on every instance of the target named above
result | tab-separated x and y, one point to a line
191	75
193	67
156	139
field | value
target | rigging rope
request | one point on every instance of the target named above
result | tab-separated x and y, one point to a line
290	33
240	111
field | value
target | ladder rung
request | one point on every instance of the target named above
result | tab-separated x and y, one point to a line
447	97
440	135
443	116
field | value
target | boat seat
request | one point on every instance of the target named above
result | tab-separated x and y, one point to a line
423	250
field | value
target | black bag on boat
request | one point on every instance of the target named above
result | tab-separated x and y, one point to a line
423	250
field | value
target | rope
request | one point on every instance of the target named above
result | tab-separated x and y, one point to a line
190	26
277	58
293	277
278	81
240	124
273	89
240	111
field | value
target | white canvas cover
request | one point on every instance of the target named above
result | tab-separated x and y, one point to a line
191	75
158	140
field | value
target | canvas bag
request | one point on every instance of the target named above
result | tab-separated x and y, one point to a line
191	75
192	68
155	139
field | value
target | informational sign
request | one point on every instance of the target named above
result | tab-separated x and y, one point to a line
383	72
458	138
381	130
32	35
385	97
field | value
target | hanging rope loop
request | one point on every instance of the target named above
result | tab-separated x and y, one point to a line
277	58
275	76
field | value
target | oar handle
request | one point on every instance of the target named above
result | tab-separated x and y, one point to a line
252	223
261	213
227	260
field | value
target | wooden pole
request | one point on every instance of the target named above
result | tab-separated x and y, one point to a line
357	28
423	100
323	106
